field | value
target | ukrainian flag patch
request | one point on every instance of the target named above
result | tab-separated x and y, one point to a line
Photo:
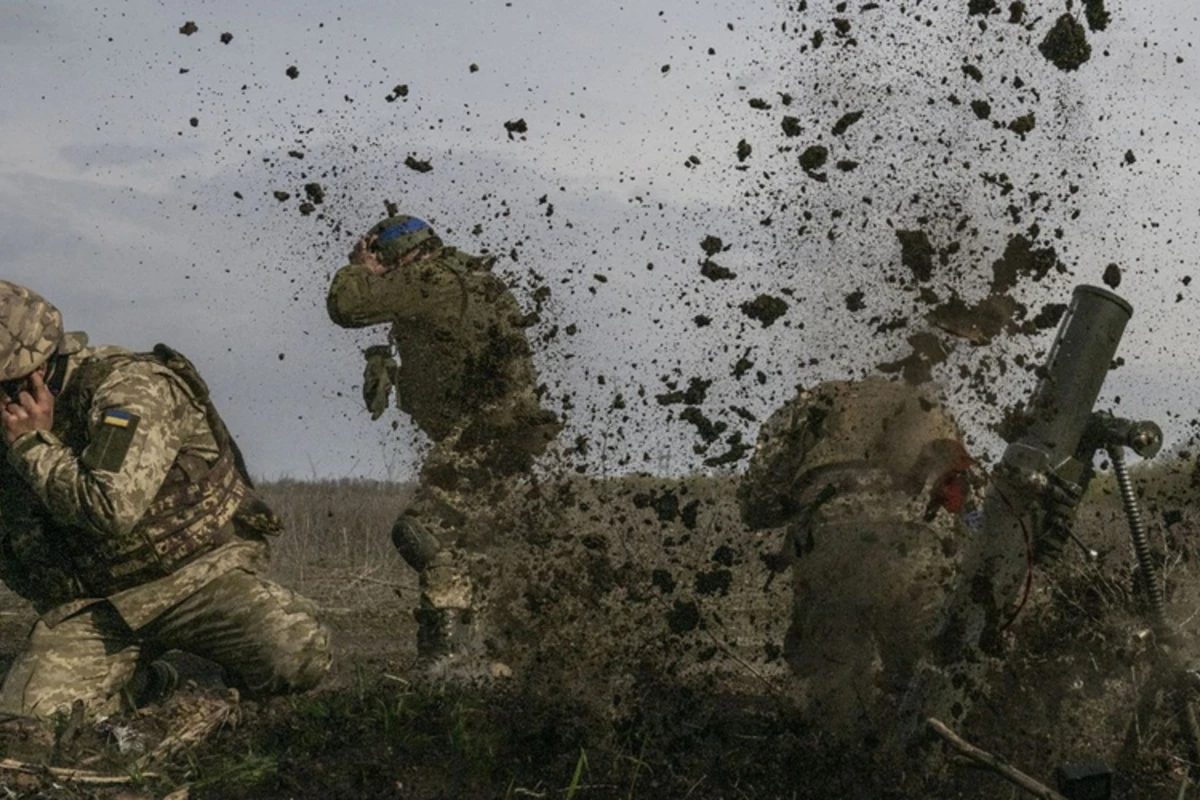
110	440
117	418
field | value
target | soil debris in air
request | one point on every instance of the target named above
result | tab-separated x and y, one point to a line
226	38
188	28
417	165
715	272
1066	45
517	126
1097	15
1112	276
843	124
765	308
916	253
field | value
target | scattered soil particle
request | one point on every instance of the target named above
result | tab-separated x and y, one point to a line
715	272
917	367
702	320
711	245
473	68
1022	260
295	154
663	581
419	166
1130	157
1023	124
315	192
1016	13
765	308
847	166
1112	276
1050	315
813	158
982	108
716	582
293	72
736	452
916	253
307	208
694	395
1097	16
683	617
975	7
978	322
842	26
742	366
189	28
848	119
791	126
708	430
818	38
194	122
516	126
400	90
743	150
1066	45
226	38
281	196
973	72
758	104
665	69
855	301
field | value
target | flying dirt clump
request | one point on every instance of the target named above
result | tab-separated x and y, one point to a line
1112	276
516	126
916	253
416	165
715	272
1066	45
1097	16
188	28
765	308
843	124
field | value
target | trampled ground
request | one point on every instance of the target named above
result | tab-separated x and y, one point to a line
643	636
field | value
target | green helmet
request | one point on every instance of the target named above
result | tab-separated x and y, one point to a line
30	331
395	237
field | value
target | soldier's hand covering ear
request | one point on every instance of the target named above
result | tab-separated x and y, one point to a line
379	377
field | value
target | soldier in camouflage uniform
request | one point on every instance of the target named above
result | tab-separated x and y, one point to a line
128	520
872	486
467	378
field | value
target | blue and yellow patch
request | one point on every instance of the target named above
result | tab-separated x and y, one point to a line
117	418
110	440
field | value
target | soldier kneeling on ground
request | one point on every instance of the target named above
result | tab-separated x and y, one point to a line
128	519
875	491
466	376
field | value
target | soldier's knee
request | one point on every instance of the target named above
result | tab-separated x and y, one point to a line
300	661
415	542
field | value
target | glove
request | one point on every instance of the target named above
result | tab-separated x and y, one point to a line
379	376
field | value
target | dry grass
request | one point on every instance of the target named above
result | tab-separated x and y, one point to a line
337	542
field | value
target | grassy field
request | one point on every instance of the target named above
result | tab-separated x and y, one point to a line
651	666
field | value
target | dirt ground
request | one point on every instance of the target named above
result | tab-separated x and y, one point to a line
640	632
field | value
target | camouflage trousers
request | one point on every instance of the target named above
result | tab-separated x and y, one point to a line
266	637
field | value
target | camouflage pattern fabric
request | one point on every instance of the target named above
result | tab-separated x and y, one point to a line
122	490
128	471
869	484
466	377
30	331
266	637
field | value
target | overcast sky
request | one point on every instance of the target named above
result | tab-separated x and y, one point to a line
122	212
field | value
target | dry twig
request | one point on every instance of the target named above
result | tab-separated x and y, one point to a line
994	763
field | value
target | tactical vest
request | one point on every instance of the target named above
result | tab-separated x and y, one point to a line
198	508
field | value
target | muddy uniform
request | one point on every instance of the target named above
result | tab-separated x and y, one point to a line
132	528
467	378
871	483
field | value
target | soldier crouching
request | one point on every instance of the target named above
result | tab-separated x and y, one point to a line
466	377
873	488
128	519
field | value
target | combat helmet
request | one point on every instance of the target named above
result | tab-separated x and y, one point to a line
31	331
395	237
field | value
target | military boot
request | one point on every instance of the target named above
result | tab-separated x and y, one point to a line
154	684
442	635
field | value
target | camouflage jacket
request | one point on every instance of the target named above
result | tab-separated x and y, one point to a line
458	329
857	436
137	478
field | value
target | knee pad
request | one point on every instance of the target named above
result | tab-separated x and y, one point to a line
415	542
